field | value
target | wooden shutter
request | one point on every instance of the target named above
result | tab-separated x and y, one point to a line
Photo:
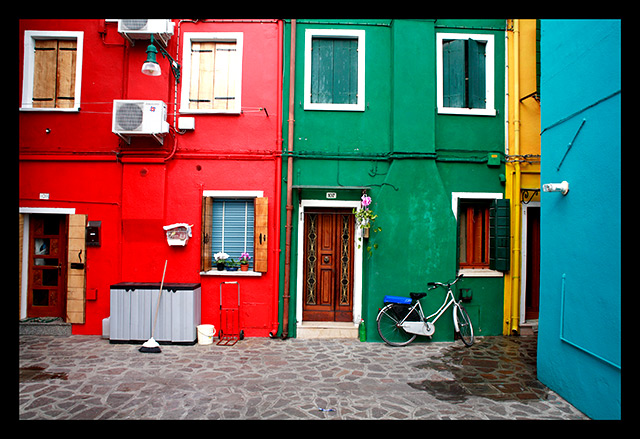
54	73
44	73
499	246
76	272
453	73
66	74
224	82
213	73
261	221
476	74
207	218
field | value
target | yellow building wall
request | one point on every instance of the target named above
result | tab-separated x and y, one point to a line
522	150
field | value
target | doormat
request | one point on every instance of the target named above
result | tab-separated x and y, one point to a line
42	320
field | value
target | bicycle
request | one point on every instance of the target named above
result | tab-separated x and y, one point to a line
401	320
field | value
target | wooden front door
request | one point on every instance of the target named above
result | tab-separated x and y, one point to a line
46	296
328	265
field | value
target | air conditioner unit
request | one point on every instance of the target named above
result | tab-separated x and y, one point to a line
140	118
143	29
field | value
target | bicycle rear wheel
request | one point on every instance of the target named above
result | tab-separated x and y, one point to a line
464	325
389	329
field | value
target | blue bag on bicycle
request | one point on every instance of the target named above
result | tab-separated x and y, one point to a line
397	299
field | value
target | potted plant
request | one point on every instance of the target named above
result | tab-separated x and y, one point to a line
220	258
365	219
231	265
244	261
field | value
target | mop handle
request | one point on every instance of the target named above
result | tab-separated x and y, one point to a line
153	330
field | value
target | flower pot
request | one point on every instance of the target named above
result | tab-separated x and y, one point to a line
244	267
220	266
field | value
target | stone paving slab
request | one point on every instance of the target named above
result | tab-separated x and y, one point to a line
86	377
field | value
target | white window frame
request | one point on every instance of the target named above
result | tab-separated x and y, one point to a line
232	194
489	75
30	37
189	38
455	196
334	33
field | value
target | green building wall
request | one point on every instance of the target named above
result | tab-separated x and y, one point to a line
409	157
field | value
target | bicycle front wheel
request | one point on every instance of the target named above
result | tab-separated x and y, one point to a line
464	325
389	328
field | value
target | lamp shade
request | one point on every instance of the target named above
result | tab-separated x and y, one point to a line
151	66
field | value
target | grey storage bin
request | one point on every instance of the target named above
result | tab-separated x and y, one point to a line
133	308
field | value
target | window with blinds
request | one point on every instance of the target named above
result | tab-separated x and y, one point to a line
235	226
232	227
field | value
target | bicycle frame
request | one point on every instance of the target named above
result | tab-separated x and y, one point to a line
426	326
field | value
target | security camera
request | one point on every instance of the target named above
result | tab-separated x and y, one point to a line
556	187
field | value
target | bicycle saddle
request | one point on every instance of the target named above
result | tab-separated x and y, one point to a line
417	296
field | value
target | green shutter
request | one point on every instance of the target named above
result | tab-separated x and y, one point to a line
334	70
476	74
453	73
499	235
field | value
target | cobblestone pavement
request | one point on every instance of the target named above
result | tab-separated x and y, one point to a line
86	377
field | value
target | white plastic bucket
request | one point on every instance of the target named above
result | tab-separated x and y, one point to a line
205	334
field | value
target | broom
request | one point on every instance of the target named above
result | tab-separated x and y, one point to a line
151	346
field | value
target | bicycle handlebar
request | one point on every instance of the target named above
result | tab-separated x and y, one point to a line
433	285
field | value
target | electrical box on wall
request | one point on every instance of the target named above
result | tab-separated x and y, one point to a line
493	159
92	237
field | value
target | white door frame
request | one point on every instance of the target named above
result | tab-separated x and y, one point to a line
523	259
24	285
357	253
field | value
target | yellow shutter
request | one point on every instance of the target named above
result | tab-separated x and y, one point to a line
207	219
260	231
76	272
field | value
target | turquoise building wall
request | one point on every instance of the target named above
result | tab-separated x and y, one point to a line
579	338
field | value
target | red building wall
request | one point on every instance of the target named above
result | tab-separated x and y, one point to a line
136	189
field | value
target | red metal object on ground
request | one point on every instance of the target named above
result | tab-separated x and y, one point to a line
230	331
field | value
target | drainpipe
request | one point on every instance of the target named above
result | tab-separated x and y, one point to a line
516	208
278	195
287	253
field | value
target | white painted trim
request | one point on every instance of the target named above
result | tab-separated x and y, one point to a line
189	37
523	257
27	74
52	210
357	257
489	75
337	33
455	196
25	247
24	284
232	194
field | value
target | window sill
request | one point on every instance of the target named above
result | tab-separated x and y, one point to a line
480	272
231	273
467	111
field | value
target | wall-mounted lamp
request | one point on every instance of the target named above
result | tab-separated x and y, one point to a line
557	187
151	66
